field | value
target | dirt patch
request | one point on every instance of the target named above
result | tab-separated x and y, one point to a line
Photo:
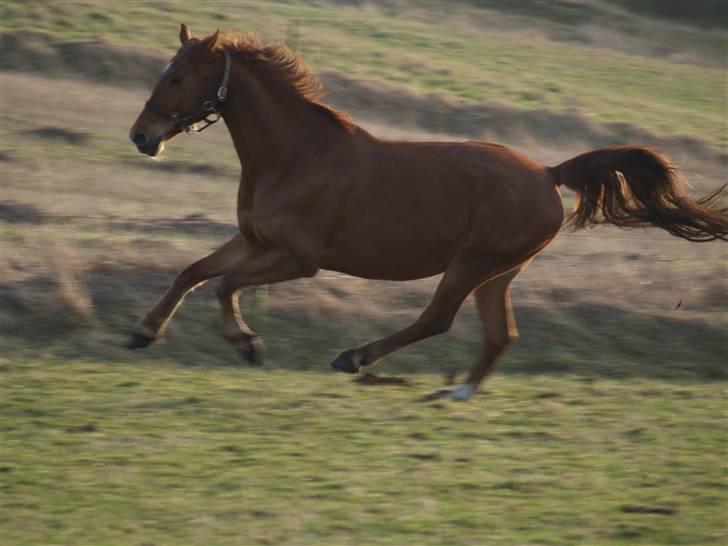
192	224
369	379
638	509
75	138
21	213
88	427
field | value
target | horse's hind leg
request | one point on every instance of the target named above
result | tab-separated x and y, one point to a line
498	324
154	323
461	277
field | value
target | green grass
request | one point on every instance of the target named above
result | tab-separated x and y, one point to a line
503	57
149	452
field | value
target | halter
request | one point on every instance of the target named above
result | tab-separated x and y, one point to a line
209	107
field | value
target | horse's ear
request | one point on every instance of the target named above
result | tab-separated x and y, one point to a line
184	33
213	42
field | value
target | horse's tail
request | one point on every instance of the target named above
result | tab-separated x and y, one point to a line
636	187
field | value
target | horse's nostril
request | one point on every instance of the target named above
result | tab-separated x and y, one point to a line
140	139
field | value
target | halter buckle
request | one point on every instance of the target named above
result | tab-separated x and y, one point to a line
222	93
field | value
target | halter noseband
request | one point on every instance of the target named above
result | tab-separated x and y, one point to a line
209	107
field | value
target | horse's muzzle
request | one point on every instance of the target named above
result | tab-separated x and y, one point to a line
146	145
140	139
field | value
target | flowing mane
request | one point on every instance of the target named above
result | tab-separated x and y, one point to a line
284	66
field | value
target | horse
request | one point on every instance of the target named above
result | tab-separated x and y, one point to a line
319	192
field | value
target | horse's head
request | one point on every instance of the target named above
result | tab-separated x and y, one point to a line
190	89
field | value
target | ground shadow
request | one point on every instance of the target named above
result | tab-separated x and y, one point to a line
191	224
197	224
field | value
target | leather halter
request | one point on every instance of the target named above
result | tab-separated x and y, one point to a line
209	107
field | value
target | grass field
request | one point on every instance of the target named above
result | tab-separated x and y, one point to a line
604	425
156	453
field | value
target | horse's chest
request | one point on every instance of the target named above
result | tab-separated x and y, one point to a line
247	224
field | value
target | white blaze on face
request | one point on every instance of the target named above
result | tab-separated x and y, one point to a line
168	66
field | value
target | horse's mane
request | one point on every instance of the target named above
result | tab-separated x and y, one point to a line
283	65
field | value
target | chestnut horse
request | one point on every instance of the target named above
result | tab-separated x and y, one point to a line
319	192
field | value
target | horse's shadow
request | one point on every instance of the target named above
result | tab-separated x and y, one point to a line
581	339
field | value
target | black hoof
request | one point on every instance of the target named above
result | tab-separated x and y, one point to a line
138	341
345	362
252	350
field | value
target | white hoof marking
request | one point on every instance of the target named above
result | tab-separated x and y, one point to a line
462	392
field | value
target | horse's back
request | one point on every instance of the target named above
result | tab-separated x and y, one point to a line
455	178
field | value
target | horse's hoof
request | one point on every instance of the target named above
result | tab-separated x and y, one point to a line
462	392
459	393
252	350
438	395
138	341
345	362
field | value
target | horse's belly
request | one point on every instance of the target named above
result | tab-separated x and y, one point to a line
387	260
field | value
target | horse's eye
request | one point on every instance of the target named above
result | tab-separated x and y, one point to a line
176	80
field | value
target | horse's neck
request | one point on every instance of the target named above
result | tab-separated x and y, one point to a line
265	127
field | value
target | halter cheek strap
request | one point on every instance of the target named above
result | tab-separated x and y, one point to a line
209	107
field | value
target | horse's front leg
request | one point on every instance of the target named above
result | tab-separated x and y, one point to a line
234	328
150	328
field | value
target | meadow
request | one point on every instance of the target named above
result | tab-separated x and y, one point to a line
604	425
